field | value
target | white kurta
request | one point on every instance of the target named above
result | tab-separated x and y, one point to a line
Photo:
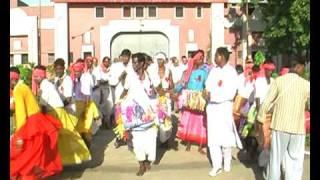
245	88
49	95
116	70
65	90
177	72
106	103
261	88
144	141
221	127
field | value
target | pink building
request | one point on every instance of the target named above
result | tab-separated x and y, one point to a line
70	29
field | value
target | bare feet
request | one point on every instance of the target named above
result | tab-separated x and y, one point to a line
142	169
201	151
147	164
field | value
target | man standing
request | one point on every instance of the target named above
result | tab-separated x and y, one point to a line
86	110
118	73
103	98
289	94
63	83
184	64
221	86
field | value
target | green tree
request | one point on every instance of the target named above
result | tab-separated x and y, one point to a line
288	26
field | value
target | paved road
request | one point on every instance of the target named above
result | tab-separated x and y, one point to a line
120	164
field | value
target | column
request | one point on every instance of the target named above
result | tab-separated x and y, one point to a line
217	27
61	31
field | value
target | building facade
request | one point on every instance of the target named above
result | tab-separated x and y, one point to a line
72	29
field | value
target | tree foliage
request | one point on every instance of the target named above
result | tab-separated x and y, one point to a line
288	26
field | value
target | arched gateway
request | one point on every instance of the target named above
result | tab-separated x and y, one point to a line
149	36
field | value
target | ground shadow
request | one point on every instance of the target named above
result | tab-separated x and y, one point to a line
251	161
171	144
99	144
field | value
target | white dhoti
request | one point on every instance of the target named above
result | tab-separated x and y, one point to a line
145	144
222	133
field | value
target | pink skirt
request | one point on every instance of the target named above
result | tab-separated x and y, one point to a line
192	127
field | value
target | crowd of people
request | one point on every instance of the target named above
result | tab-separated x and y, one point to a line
218	107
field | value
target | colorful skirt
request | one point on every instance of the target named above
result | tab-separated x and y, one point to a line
38	150
85	122
192	127
119	129
71	146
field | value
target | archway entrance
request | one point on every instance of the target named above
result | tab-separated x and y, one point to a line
147	42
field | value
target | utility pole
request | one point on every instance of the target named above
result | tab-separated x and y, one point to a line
39	34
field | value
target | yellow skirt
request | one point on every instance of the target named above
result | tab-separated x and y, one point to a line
91	112
71	146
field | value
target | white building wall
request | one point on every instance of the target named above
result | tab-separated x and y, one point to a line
61	31
217	27
23	25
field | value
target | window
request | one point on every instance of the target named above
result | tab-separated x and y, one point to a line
86	54
199	12
190	53
152	11
11	60
179	12
50	58
24	59
99	12
126	12
139	12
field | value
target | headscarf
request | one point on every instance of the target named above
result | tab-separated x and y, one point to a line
37	72
264	67
88	59
284	71
191	66
78	66
269	66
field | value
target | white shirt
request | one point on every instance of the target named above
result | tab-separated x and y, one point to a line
83	87
177	72
116	70
49	94
245	89
138	90
184	66
99	74
262	88
66	86
227	75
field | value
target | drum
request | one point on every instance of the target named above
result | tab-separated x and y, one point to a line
193	100
237	104
264	132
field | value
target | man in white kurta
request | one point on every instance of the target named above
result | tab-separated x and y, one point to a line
222	134
103	92
118	72
64	85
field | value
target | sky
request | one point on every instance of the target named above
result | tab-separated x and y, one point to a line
36	2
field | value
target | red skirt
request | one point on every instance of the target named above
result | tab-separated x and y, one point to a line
38	156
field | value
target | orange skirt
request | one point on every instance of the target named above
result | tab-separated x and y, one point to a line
33	148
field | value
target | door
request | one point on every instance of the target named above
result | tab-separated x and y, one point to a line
149	43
